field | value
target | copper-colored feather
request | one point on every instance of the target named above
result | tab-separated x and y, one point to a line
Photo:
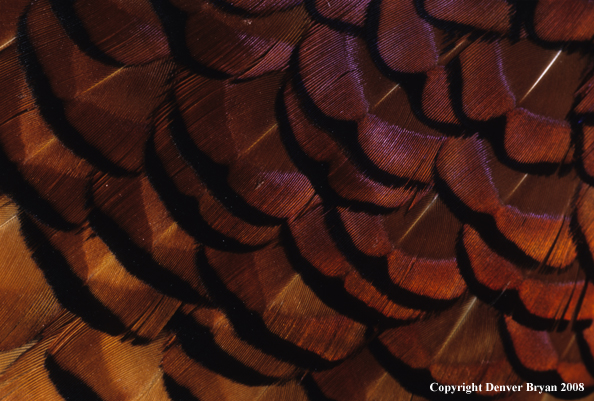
296	200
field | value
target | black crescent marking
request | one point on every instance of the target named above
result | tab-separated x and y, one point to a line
52	108
69	289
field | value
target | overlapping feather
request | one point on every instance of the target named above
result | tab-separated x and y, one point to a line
285	200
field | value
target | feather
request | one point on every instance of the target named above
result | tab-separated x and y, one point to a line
329	200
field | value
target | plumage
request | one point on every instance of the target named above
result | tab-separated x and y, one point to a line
332	200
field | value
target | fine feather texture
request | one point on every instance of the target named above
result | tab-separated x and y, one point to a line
331	200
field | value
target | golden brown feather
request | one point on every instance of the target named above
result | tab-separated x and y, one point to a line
296	200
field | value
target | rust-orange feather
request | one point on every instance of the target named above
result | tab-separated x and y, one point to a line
317	200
